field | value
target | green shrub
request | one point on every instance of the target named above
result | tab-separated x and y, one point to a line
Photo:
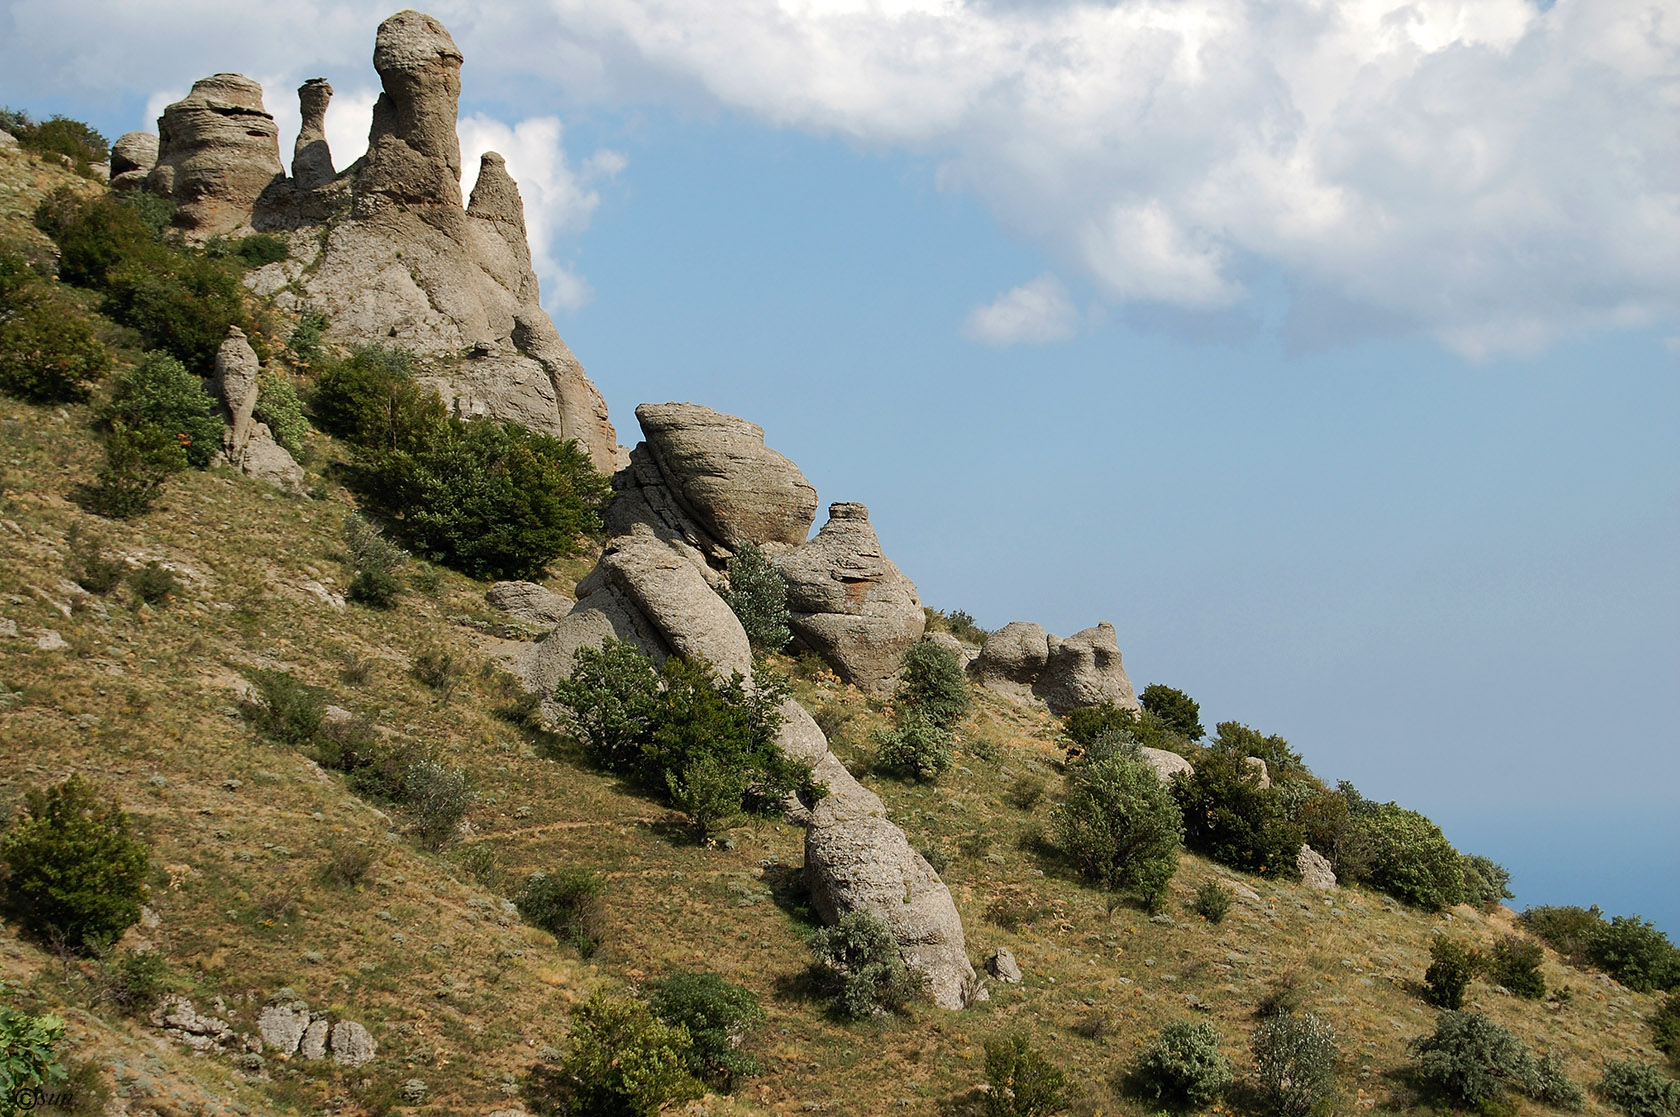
1229	817
1284	994
622	1062
372	400
933	684
1086	723
1025	793
1665	1027
567	904
439	797
1639	1089
159	399
76	873
857	963
437	666
1568	929
1330	826
57	135
708	792
261	249
1182	1067
958	623
1281	760
29	1063
347	865
613	695
1635	953
89	565
1472	1061
757	594
915	749
1410	859
154	583
48	351
1212	901
1023	1082
717	1016
306	337
1485	882
95	235
137	463
287	710
1514	962
1174	710
1452	966
1551	1086
1120	827
280	406
376	562
135	981
1295	1063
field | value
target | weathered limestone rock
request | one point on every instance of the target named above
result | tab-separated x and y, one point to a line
1166	764
1002	965
850	604
602	612
132	158
1084	670
199	1031
528	602
314	1042
670	591
413	157
723	474
237	369
218	150
1258	766
312	165
964	653
267	461
1315	869
8	142
283	1022
351	1044
1011	659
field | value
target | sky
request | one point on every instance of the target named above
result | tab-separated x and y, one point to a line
1328	348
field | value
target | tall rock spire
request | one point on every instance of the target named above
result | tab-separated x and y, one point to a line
312	164
414	155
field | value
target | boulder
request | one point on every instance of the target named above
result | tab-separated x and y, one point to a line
1002	965
132	158
8	142
1011	659
283	1022
312	165
1315	869
351	1044
601	613
964	653
218	150
1084	670
850	604
267	461
725	477
1258	766
669	590
1166	764
314	1042
528	602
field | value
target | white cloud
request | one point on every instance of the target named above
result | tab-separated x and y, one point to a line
1035	312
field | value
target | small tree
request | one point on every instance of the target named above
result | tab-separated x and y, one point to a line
613	696
933	684
1023	1082
1665	1027
1235	737
76	871
1183	1066
1410	859
858	963
439	797
916	749
708	792
757	594
567	904
376	561
1452	965
48	352
1295	1062
1174	710
1471	1060
158	397
1634	952
1485	882
1120	827
621	1061
1229	817
1514	962
718	1017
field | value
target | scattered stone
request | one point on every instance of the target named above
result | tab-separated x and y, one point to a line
351	1044
529	602
1315	869
1258	767
414	1091
49	641
964	653
1002	965
198	1031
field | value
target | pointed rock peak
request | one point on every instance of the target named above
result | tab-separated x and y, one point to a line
495	195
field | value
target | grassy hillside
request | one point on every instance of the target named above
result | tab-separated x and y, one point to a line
423	950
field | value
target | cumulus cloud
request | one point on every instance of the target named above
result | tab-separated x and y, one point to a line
1034	312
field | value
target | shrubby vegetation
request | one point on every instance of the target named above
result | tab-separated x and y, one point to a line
1295	1063
1665	1027
934	685
48	351
1485	882
1639	1089
75	870
1452	966
914	749
622	1060
757	594
717	1016
57	135
1120	827
1023	1082
1183	1066
856	962
1212	901
1173	710
958	623
1410	859
1628	948
1471	1061
567	904
1514	962
29	1060
376	561
1230	818
280	406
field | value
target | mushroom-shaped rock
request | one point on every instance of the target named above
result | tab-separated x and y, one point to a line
132	158
218	150
312	165
1012	658
414	155
857	860
718	467
1084	670
850	604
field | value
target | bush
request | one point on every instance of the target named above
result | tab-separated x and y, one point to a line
57	135
717	1016
287	710
1551	1086
76	873
613	695
1635	953
1023	1082
1330	826
1183	1066
1212	901
347	865
95	235
159	399
439	798
857	962
1295	1063
376	561
437	667
1639	1089
29	1061
1472	1061
1665	1027
708	792
1281	760
757	594
1570	930
1452	966
1087	723
89	565
135	981
916	749
1485	882
933	684
1285	994
622	1061
1514	962
137	463
1120	827
279	405
372	400
1229	817
1025	792
1174	710
958	623
48	351
567	904
1410	859
306	336
260	250
154	583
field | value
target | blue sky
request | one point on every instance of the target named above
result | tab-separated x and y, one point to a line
1337	367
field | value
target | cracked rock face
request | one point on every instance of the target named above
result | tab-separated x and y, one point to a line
218	150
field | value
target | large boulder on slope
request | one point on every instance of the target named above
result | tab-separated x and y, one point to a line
849	603
669	590
132	158
1085	670
218	150
1011	659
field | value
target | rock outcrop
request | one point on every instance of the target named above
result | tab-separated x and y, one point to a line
1166	764
132	158
8	142
413	156
1024	663
218	150
1315	869
850	604
312	166
528	602
248	445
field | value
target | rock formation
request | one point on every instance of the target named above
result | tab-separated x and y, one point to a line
528	602
8	142
850	604
1022	662
218	150
386	249
702	478
248	445
1315	869
132	158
